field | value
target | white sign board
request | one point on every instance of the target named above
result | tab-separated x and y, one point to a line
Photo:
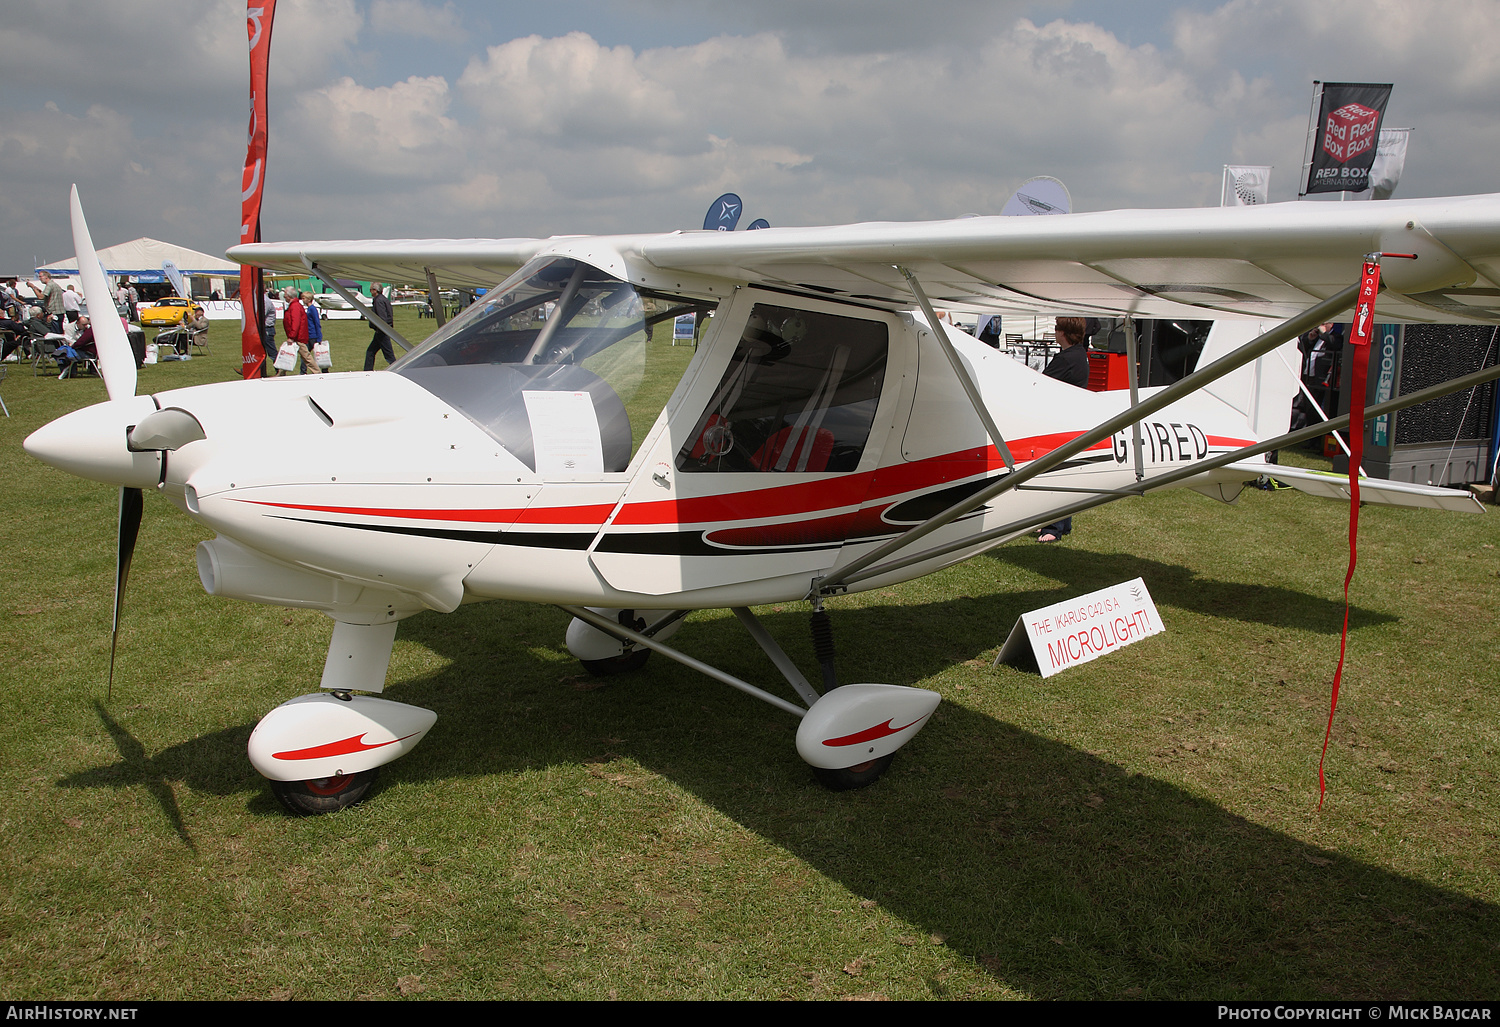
564	433
1079	630
684	326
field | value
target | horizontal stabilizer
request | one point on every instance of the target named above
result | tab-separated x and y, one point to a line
1371	490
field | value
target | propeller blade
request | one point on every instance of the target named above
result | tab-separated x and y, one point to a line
132	501
116	361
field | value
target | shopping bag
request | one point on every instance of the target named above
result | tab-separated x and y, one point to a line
286	356
150	353
324	358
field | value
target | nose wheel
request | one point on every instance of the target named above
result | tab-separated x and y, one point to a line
324	794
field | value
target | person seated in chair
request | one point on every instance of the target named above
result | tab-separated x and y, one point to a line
79	352
12	337
181	337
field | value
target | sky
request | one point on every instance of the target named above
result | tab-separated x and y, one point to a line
428	119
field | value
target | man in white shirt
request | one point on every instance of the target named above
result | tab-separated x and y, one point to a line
72	304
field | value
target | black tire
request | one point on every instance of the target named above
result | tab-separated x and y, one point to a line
625	663
323	795
849	778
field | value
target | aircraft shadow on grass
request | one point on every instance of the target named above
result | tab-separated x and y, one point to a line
1278	606
1060	872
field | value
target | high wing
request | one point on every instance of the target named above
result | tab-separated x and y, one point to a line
1270	261
456	263
1265	261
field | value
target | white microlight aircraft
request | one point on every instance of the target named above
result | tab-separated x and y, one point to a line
550	445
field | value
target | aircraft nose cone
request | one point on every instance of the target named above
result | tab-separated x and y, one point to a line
91	444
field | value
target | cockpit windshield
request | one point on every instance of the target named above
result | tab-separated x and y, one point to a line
565	365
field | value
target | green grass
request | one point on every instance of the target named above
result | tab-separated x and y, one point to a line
1143	826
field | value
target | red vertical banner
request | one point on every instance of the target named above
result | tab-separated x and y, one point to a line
258	16
1364	327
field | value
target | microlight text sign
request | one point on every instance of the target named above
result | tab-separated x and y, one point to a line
1079	630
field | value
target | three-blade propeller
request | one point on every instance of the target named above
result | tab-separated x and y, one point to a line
117	366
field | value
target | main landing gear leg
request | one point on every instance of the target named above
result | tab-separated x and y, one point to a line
851	732
861	775
606	653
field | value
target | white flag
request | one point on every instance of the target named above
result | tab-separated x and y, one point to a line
1390	161
1246	185
1041	195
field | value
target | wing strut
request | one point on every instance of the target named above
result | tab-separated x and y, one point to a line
1288	329
941	334
610	627
1133	368
435	297
1286	441
354	300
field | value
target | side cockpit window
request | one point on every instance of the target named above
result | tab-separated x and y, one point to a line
799	395
565	365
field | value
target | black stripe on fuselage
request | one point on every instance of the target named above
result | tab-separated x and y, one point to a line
528	539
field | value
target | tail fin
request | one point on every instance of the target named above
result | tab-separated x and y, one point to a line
1261	390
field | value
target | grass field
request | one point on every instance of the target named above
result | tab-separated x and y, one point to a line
1140	827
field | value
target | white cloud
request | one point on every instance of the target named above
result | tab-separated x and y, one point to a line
414	18
811	124
385	123
856	135
569	87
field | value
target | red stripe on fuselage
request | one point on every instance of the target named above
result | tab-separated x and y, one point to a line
590	515
844	491
799	499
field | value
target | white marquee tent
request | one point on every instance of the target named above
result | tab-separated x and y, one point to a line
142	259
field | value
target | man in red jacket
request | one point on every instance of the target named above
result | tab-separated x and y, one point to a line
294	321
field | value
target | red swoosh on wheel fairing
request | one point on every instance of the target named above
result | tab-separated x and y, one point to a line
869	734
354	743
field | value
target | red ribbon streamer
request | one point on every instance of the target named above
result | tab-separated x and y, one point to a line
1364	326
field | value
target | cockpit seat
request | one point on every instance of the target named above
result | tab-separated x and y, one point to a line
810	451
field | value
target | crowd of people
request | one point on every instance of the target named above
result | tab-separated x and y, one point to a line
48	321
302	322
46	317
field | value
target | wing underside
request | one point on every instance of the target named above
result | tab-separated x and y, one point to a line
455	263
1267	261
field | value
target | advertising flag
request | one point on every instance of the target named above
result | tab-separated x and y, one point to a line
1390	161
1344	136
258	16
175	277
723	214
1246	185
1041	195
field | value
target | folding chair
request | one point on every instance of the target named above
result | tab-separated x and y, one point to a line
44	348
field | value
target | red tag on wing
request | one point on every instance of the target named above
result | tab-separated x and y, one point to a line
1364	328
